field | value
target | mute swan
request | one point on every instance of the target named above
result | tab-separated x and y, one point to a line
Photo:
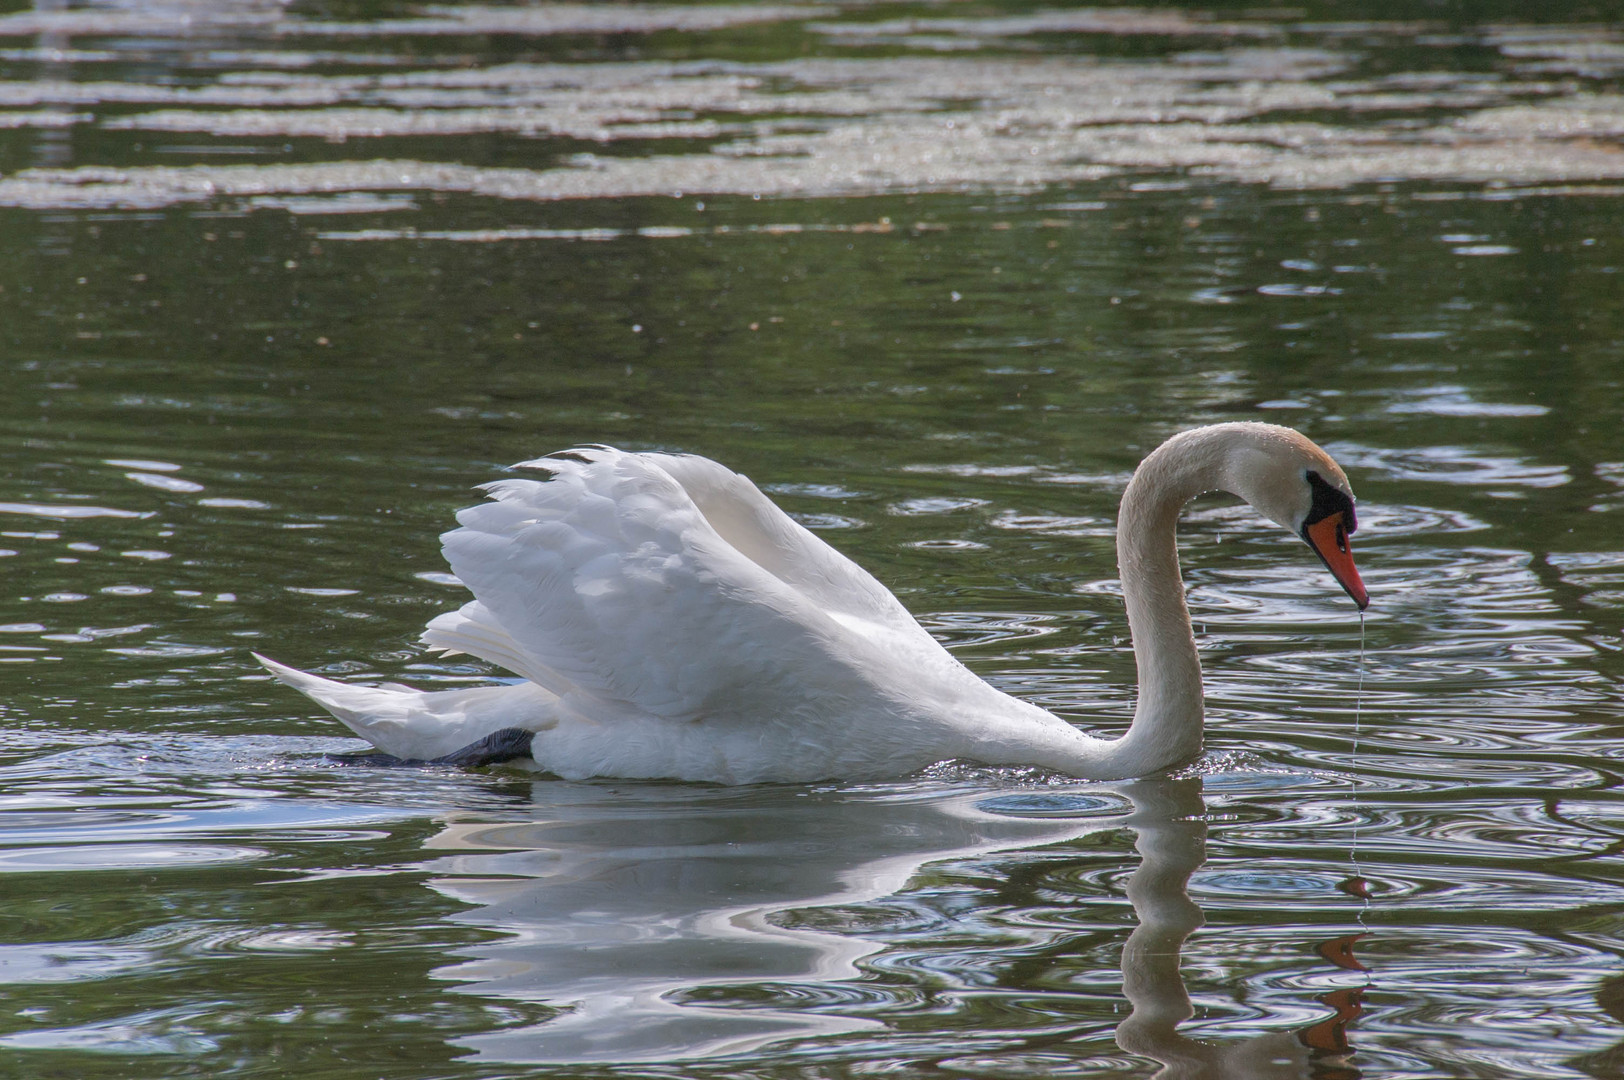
670	621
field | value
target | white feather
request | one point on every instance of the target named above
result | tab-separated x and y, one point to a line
670	621
412	724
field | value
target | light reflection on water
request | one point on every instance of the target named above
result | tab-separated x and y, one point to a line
645	913
280	285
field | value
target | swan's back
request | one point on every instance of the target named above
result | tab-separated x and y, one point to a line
668	588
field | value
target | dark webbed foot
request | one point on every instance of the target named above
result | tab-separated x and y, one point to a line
507	744
495	748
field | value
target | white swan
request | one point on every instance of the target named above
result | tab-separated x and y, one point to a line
670	621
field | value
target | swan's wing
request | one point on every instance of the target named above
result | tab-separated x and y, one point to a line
664	587
756	528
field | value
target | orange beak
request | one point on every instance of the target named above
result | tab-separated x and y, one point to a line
1329	538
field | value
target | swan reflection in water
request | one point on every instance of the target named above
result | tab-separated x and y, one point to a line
1170	837
653	917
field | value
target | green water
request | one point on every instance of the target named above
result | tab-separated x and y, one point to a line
248	374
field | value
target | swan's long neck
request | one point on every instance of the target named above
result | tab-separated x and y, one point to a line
1166	727
1269	467
1167	720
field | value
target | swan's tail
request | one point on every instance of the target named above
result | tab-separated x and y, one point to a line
424	725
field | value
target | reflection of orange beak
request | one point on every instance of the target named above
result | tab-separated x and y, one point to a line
1329	539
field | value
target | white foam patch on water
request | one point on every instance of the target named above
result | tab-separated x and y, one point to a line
599	235
1594	52
194	19
1116	22
820	127
43	119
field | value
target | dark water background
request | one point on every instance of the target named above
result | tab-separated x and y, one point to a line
280	283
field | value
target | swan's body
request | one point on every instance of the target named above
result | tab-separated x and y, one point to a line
670	621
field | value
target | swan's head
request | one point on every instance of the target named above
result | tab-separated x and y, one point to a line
1296	484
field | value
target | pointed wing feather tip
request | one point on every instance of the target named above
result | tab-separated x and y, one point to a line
290	675
359	708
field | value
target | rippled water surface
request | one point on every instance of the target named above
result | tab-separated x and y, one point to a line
280	282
